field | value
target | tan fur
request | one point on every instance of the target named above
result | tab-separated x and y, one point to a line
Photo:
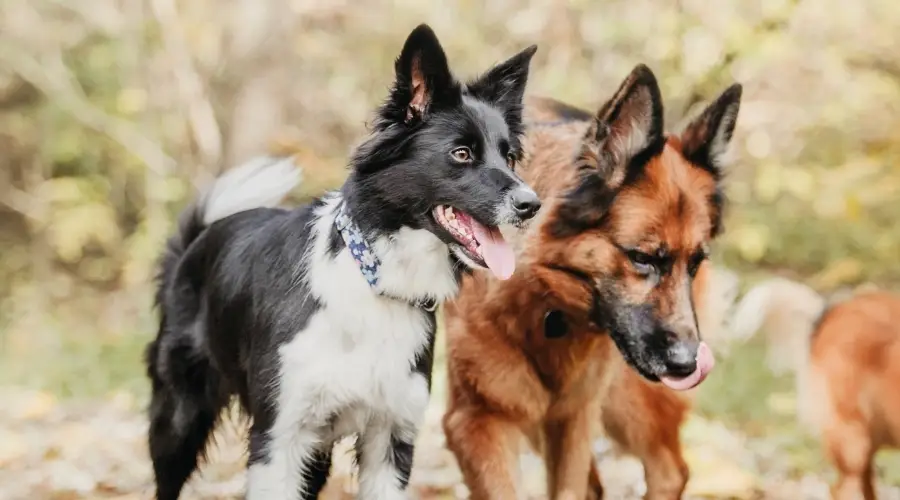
506	379
847	368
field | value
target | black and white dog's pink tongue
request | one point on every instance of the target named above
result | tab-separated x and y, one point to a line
497	253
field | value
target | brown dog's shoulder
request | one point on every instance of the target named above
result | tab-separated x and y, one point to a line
489	373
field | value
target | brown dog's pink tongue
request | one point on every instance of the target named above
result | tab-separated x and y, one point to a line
497	253
705	364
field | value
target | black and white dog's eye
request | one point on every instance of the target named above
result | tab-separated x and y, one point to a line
462	155
511	161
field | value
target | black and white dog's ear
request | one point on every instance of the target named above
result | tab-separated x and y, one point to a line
504	84
705	141
422	75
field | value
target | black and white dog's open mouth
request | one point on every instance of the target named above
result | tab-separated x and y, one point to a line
484	245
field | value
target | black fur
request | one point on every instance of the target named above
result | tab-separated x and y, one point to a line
402	457
719	116
589	201
605	169
484	115
425	361
555	325
633	327
318	473
230	294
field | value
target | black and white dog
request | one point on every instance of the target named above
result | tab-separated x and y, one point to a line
321	319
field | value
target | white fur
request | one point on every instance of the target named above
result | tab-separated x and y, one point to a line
785	311
353	360
637	111
721	154
261	182
777	304
633	141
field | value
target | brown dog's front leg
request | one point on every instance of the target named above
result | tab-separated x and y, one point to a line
568	455
486	448
595	485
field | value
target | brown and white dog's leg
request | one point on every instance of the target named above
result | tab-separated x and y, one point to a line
486	448
851	451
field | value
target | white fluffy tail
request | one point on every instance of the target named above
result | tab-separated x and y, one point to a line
261	182
786	312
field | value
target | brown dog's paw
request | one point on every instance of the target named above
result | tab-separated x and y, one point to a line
595	489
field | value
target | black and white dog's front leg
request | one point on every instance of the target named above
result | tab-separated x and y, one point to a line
385	455
285	463
385	447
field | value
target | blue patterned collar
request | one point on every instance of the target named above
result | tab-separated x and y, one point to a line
365	257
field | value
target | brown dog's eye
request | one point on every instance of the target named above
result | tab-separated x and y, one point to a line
462	155
643	263
696	260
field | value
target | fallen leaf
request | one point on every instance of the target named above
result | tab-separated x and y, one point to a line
12	447
838	273
36	406
782	402
714	475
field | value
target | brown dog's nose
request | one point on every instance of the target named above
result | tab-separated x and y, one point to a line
681	358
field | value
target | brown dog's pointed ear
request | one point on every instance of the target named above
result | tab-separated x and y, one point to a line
422	77
628	124
705	140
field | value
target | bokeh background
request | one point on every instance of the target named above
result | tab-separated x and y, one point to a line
112	111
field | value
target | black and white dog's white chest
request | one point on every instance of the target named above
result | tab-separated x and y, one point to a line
361	361
337	362
360	349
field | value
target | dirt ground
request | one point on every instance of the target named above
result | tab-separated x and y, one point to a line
95	450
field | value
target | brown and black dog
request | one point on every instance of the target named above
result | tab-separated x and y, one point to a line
602	301
846	359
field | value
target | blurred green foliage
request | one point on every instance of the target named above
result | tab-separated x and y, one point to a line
112	112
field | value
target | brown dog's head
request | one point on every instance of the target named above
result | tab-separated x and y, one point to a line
626	241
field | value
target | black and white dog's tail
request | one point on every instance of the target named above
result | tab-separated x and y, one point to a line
187	395
261	182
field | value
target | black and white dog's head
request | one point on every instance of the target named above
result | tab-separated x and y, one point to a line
442	156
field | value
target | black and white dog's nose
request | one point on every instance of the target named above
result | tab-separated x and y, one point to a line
525	202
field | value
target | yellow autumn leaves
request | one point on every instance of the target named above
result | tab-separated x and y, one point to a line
844	196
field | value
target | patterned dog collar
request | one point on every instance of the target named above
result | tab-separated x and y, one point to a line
365	257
